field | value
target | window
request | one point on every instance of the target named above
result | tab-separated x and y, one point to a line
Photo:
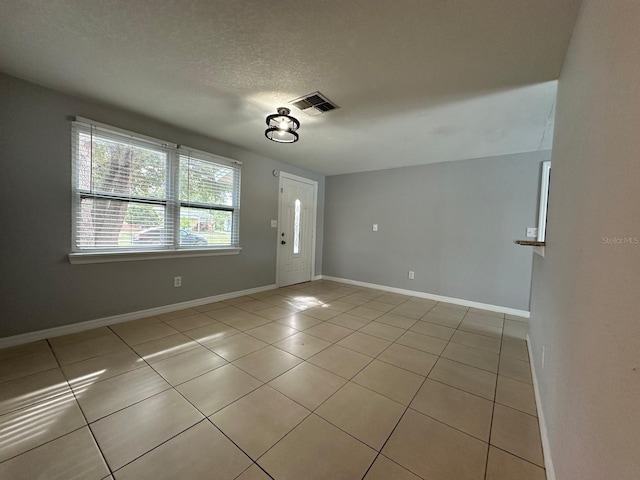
296	227
544	201
209	192
134	193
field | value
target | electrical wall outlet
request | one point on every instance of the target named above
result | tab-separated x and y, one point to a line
177	281
412	275
375	227
274	223
532	232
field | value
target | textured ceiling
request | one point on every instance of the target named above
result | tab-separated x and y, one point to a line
418	81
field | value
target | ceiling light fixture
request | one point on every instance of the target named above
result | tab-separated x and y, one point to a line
282	127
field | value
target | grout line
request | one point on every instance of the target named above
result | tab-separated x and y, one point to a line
95	440
47	399
159	445
449	426
50	441
223	407
252	464
371	465
518	456
495	394
270	380
286	434
398	423
130	405
460	389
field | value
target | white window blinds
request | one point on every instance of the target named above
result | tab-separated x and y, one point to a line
209	196
136	193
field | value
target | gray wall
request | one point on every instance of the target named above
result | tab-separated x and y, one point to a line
585	306
39	288
452	223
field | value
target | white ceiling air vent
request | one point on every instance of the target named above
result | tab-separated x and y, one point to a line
314	104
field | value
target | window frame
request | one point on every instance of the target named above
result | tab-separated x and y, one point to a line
234	208
543	208
171	200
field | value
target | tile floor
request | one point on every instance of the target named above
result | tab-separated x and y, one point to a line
314	381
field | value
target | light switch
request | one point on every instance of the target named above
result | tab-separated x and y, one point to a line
532	232
274	223
375	227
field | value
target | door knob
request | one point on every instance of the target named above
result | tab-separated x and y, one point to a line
282	242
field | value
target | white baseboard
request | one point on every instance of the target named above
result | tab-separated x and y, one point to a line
316	277
430	296
546	447
125	317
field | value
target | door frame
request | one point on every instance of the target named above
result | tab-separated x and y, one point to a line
314	216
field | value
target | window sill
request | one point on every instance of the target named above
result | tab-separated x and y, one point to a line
538	247
110	257
529	243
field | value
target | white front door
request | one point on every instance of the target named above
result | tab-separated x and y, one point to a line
296	229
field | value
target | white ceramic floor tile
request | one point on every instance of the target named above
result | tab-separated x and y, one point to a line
190	322
29	427
329	332
180	368
388	380
130	433
456	408
518	433
165	347
433	330
411	359
368	416
341	361
236	346
422	342
217	389
365	344
382	330
94	347
211	333
102	367
259	420
100	398
436	451
302	345
254	472
271	332
81	336
385	469
472	356
297	456
308	385
504	466
268	363
25	391
37	360
134	334
74	456
208	452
